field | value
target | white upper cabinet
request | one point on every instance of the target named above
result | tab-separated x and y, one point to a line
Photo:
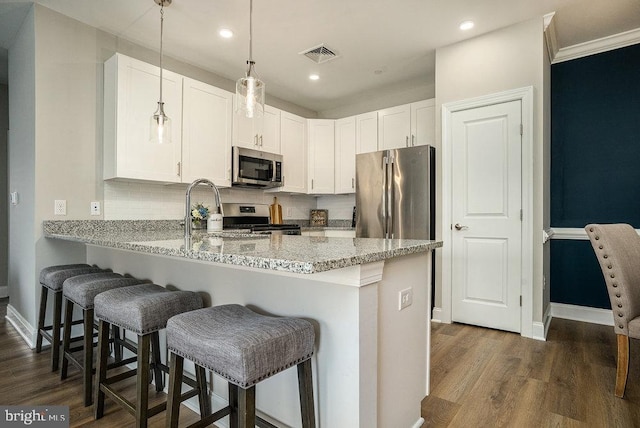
345	160
131	93
367	132
261	134
206	133
293	147
321	156
407	125
423	122
394	127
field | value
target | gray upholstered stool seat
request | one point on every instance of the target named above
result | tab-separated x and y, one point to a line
81	290
245	348
52	278
144	310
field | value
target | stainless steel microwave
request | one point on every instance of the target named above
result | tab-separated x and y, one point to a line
253	168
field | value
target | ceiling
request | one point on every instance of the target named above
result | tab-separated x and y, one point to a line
382	44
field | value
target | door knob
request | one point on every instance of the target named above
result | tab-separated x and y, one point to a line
458	226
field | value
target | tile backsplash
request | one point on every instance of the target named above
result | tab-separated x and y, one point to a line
149	201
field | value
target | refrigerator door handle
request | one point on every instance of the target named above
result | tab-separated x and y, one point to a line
388	194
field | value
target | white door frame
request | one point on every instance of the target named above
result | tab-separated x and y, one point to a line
525	95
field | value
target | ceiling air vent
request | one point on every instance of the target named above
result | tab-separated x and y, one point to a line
320	54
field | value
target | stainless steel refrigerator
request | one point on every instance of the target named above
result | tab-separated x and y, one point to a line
395	193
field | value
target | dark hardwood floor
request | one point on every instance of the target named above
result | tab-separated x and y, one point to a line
479	378
487	378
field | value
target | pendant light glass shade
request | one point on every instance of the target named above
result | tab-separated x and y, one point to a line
160	124
250	89
250	94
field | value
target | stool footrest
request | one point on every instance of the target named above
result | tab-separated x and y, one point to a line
208	420
121	376
261	423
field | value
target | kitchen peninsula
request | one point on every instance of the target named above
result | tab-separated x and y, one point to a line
371	366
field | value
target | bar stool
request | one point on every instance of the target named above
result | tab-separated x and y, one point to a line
144	310
81	290
245	348
52	278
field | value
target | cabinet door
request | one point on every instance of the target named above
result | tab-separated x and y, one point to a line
321	156
206	133
346	155
131	95
245	131
423	123
394	127
269	136
293	147
367	132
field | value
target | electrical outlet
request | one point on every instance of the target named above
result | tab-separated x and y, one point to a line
60	207
405	298
14	198
95	208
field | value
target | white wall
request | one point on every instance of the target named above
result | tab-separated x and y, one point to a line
4	215
22	169
505	59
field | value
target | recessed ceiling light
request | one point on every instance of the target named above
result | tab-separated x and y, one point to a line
467	25
226	33
314	77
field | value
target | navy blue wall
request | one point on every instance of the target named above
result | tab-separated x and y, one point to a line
595	163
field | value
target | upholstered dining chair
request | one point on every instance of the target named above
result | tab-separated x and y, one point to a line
617	247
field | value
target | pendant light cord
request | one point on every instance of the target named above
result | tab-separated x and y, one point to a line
250	30
161	32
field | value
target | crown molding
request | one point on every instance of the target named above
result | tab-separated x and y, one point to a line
550	35
593	47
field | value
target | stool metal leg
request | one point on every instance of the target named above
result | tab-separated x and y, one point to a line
66	338
43	313
55	335
305	387
175	386
142	385
101	368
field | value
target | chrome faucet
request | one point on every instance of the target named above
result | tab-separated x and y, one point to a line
187	215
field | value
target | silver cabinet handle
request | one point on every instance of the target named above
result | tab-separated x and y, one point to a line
312	184
255	140
458	226
413	140
179	169
353	183
407	143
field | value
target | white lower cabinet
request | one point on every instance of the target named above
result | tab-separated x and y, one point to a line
206	133
131	93
345	159
201	118
321	156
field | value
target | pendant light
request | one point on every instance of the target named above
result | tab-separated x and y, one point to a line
250	89
160	124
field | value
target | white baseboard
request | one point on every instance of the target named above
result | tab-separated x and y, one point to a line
418	423
540	329
21	325
582	313
436	314
4	291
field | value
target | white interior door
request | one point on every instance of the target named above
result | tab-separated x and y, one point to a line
486	216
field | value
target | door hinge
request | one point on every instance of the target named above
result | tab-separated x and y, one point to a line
520	214
521	129
520	300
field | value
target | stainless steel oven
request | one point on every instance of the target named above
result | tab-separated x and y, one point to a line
254	218
253	168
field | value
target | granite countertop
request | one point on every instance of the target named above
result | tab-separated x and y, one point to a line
298	254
